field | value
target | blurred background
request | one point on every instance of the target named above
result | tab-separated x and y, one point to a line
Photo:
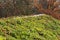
19	7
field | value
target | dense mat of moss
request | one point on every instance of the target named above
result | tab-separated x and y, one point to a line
30	28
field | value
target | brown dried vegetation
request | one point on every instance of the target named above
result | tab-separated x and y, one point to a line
24	7
52	8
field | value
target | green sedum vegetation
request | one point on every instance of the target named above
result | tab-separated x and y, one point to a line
31	28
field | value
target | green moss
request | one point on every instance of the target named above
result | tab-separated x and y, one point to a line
31	28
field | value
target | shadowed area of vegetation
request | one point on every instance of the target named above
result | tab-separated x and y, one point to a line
30	28
15	7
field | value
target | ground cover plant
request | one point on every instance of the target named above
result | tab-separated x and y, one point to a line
30	28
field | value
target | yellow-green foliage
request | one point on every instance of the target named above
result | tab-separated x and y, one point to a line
2	38
30	28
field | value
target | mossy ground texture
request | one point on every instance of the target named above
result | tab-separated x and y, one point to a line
31	28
